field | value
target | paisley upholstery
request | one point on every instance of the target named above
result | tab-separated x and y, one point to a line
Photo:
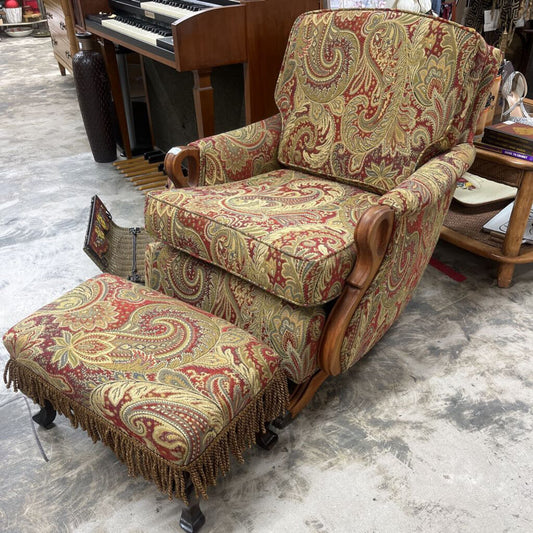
289	233
420	204
366	96
292	331
148	375
239	154
377	107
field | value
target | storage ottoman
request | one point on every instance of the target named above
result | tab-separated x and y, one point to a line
171	389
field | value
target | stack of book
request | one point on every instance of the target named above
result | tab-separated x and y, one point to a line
509	138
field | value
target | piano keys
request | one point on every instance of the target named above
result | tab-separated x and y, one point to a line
134	31
175	10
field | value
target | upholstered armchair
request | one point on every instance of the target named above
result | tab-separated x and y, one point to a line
311	229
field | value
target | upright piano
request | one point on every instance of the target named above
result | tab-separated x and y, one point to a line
196	36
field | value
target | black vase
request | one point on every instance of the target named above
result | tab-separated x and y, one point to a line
94	98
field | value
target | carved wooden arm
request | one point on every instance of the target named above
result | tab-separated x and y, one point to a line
174	160
419	205
232	156
372	237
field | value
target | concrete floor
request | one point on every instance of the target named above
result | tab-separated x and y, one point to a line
431	432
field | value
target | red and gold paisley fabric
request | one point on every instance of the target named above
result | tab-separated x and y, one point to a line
292	331
239	154
420	204
366	96
154	371
289	233
368	100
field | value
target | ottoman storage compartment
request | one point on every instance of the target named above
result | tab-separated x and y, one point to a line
171	389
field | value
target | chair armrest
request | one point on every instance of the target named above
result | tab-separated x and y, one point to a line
230	156
432	185
420	204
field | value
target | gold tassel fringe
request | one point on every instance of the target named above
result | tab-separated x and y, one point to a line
170	478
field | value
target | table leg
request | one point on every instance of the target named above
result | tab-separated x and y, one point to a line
515	230
108	51
204	104
505	275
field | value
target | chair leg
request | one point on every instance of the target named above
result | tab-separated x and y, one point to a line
45	416
192	518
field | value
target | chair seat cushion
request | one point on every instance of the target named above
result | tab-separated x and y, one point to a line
287	232
170	388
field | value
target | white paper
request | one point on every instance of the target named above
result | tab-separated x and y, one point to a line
491	19
500	223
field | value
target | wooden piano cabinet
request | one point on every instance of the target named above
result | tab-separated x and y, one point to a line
80	8
255	33
249	32
462	227
266	38
213	37
61	26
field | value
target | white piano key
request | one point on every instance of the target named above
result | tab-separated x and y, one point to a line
169	11
131	31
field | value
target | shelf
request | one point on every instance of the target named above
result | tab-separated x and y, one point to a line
11	24
463	224
469	222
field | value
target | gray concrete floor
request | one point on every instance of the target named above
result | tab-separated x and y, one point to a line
431	432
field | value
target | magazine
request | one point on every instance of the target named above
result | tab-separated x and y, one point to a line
500	222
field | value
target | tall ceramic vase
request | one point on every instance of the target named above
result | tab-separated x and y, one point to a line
94	98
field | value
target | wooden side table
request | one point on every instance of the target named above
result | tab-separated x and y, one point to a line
463	225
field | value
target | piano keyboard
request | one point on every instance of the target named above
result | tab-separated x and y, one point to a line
137	22
176	10
136	29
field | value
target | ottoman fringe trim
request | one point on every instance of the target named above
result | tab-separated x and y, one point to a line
170	478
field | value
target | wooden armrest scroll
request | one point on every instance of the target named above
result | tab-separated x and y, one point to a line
174	160
372	237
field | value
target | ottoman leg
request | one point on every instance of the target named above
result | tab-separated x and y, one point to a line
45	416
192	518
266	440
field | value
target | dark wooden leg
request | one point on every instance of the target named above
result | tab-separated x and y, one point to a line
192	518
300	396
204	104
45	416
110	58
266	440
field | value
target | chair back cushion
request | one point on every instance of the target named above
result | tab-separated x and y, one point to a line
366	96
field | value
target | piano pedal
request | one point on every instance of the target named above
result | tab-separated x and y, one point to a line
154	156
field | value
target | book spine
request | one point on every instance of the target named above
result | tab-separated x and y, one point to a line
507	151
526	139
507	143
